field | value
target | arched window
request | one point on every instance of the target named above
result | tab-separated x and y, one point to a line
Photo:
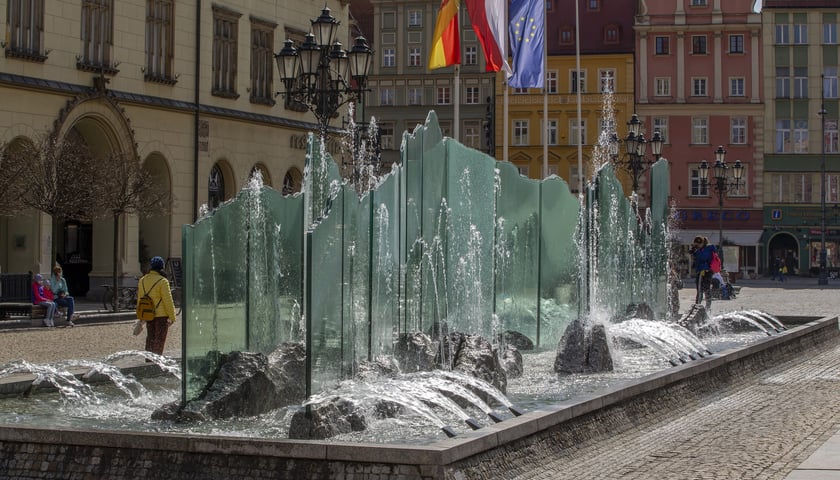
292	181
216	187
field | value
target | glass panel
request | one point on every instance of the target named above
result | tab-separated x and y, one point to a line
517	252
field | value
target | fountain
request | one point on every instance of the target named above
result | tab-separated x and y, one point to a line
443	300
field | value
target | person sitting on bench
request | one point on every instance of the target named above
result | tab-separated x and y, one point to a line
39	297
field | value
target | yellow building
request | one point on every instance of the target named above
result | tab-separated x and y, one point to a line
526	114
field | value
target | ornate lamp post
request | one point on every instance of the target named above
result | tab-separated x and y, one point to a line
823	278
721	184
635	149
320	76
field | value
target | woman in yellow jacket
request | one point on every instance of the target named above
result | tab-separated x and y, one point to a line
157	286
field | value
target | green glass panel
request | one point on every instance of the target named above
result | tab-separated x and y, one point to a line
559	260
430	249
325	281
357	246
384	266
469	274
517	252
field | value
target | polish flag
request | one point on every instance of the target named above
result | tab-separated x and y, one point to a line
488	22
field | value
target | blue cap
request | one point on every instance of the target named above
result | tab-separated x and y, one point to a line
156	263
38	277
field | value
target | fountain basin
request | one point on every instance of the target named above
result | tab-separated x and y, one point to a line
66	451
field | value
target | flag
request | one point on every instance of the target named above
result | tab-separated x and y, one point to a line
527	43
488	22
446	45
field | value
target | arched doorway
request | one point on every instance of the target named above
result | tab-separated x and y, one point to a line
155	232
292	181
219	184
783	246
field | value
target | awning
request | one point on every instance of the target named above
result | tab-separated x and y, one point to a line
738	237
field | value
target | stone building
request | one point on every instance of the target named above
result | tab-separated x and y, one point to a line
187	87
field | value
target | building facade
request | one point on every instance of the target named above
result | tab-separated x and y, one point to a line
698	82
801	61
186	87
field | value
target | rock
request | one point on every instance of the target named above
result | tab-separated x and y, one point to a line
583	350
474	355
639	310
518	340
326	420
695	320
512	362
415	352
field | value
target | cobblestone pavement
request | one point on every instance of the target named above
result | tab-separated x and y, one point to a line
764	428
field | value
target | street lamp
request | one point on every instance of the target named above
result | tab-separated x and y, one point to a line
823	278
721	184
320	76
635	148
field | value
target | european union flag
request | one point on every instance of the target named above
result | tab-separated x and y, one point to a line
527	43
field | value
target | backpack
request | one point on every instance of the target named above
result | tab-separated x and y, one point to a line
146	306
714	265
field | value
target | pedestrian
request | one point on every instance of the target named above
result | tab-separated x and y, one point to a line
155	285
40	296
776	270
61	294
703	253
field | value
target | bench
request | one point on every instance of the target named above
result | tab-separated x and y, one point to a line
16	298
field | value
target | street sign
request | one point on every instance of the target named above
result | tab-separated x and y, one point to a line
776	214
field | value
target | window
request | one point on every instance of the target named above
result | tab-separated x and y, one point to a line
577	132
444	95
661	124
800	34
389	20
736	43
552	131
389	57
567	35
800	82
698	189
782	143
415	95
830	82
471	55
611	34
415	57
593	5
700	131
736	87
698	44
386	96
830	33
472	134
574	179
738	131
262	62
97	33
25	29
523	170
225	30
831	136
415	18
607	80
386	135
520	132
782	82
473	97
698	87
663	45
662	86
160	37
741	189
782	35
578	81
520	91
791	188
800	136
215	187
551	81
699	3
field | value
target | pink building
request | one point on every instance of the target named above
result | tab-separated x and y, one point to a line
698	81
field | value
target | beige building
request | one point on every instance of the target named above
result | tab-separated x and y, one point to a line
189	87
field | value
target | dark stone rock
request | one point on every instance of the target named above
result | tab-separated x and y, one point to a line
388	409
372	370
696	319
518	340
326	420
639	310
474	355
247	384
415	352
512	362
583	349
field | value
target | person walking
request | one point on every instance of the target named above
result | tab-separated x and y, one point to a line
41	297
155	285
702	253
61	294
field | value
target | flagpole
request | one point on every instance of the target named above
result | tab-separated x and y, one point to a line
579	112
545	97
505	87
456	128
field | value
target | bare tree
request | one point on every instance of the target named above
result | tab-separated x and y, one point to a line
125	187
52	176
11	186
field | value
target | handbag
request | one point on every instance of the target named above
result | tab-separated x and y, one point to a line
138	327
